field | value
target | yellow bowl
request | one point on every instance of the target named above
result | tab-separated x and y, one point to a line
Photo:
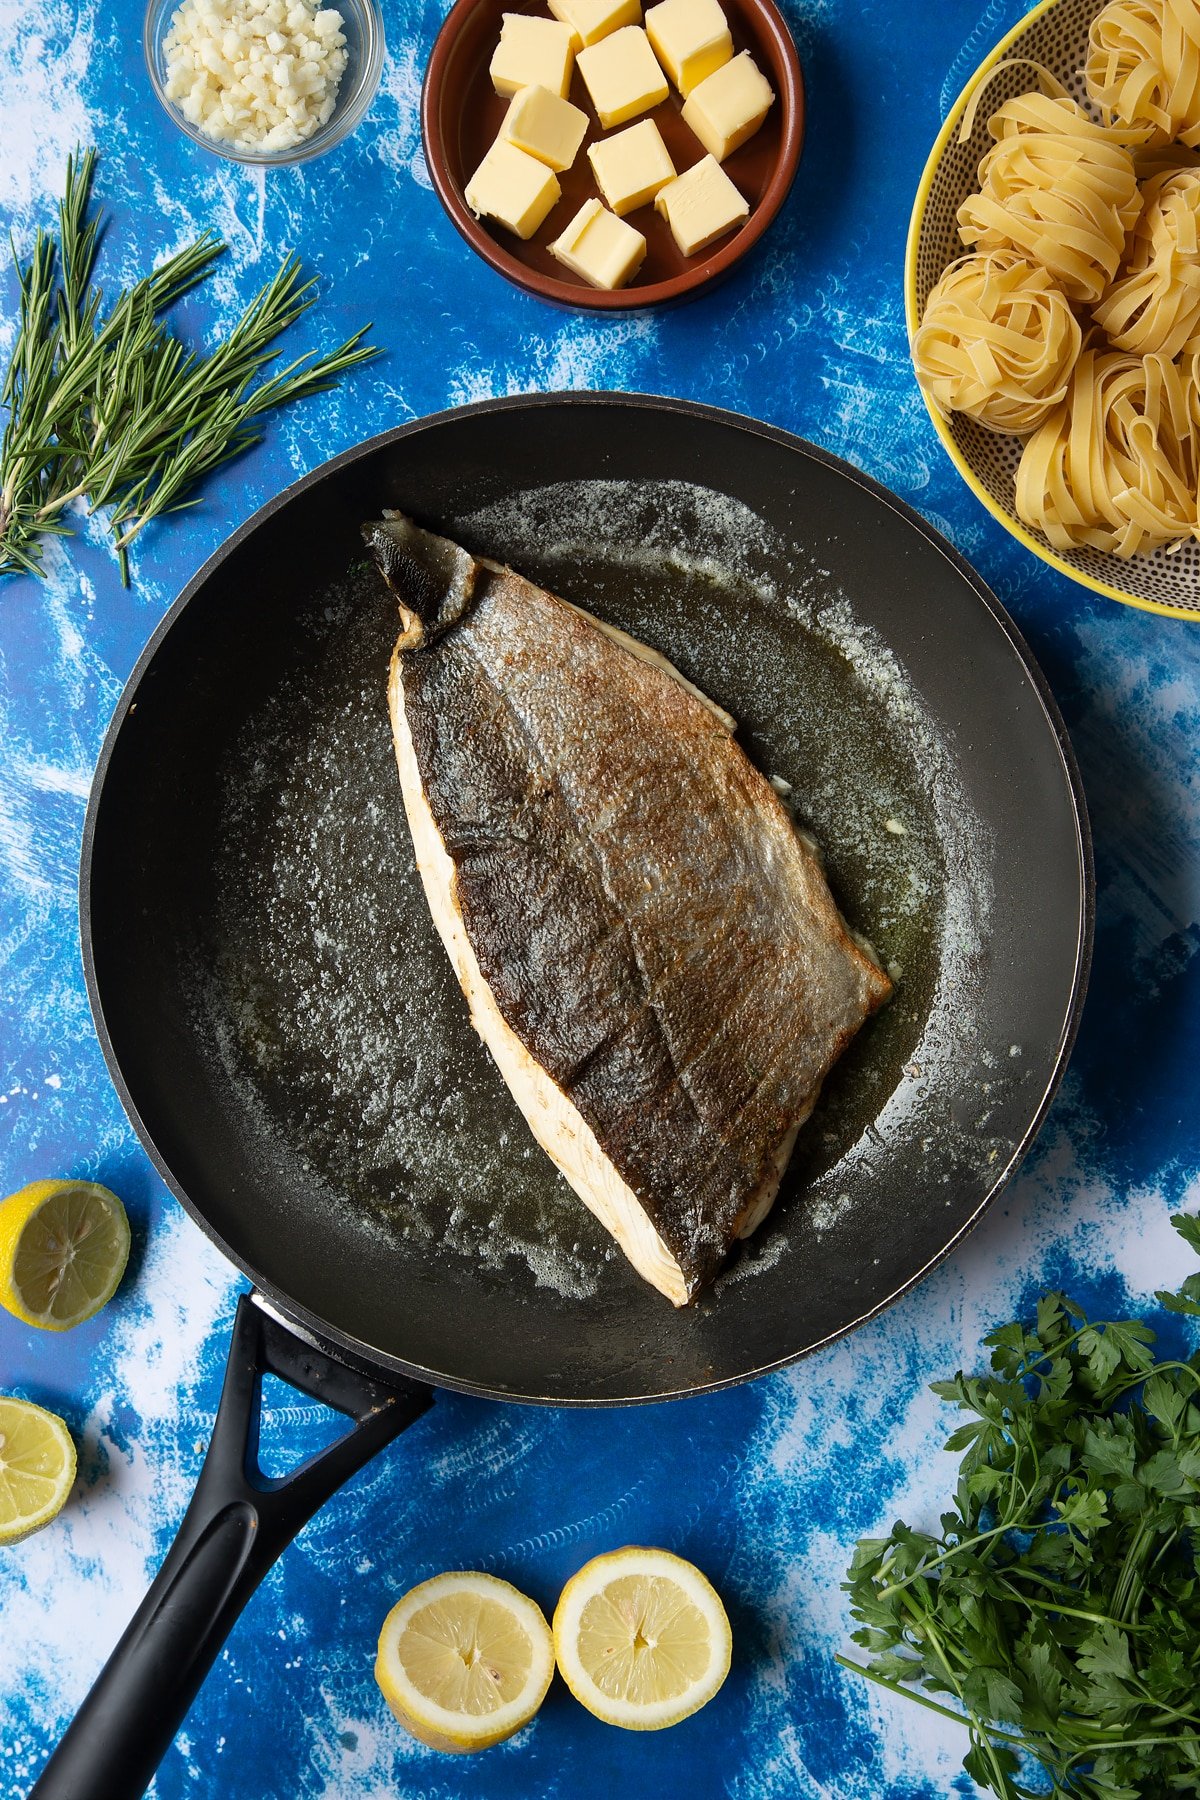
1055	35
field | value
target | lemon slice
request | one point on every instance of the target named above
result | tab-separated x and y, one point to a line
37	1467
63	1249
464	1661
641	1638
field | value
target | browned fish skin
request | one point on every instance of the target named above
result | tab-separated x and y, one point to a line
650	924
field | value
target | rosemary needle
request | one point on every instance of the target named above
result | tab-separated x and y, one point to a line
105	405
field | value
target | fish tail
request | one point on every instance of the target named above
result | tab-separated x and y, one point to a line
433	580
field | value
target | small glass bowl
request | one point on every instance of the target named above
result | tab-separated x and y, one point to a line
362	26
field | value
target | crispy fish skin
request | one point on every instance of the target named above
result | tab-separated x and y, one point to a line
649	947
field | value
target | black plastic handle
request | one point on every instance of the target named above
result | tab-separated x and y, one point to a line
238	1523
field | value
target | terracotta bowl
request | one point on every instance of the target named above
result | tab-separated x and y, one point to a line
461	114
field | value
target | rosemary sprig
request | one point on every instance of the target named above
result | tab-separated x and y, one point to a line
106	405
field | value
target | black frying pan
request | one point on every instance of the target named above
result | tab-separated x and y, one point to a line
286	1035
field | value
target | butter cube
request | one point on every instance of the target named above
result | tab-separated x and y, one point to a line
532	53
591	20
728	106
545	126
514	189
690	39
622	76
600	248
632	166
700	205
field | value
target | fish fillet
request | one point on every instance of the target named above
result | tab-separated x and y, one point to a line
647	946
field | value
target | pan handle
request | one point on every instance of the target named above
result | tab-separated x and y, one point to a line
238	1523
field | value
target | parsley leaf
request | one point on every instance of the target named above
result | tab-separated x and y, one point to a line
1057	1609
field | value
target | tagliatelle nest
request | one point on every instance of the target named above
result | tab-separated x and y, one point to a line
1143	68
998	340
1076	323
1056	188
1115	466
1155	303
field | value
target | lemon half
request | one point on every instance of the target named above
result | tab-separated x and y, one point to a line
37	1467
642	1639
63	1249
464	1661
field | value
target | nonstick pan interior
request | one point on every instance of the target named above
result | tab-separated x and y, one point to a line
286	1029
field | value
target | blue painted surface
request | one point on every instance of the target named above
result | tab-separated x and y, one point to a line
768	1486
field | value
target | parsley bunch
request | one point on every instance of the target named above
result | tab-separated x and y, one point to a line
1059	1607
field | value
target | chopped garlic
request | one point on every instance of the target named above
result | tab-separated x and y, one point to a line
255	74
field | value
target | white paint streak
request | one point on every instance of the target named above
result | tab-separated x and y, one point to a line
105	1544
573	357
46	48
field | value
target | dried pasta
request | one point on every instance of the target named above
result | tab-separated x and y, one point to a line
1056	188
997	341
1115	466
1074	321
1155	303
1143	68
